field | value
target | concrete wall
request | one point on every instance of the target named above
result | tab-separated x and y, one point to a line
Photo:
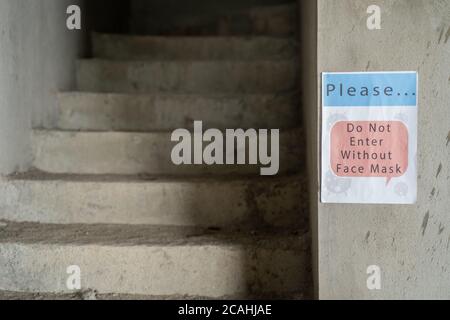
37	60
411	244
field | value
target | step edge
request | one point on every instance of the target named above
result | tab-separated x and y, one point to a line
120	37
105	61
148	236
40	176
94	295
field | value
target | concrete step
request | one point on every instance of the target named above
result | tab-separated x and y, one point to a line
263	76
144	200
93	295
70	152
126	47
140	112
157	261
216	19
200	7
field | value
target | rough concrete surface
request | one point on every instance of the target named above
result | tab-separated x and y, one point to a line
264	76
411	243
209	18
151	200
104	195
157	261
138	153
125	47
94	295
36	61
133	112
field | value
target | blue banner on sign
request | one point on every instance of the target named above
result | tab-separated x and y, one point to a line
369	89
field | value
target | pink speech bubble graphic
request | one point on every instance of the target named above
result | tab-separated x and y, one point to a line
369	149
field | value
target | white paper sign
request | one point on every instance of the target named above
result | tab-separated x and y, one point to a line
369	137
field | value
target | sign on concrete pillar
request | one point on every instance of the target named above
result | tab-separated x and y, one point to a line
369	137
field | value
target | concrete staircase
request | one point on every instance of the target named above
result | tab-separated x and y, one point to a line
105	196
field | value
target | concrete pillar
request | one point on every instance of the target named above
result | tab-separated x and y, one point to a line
410	244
